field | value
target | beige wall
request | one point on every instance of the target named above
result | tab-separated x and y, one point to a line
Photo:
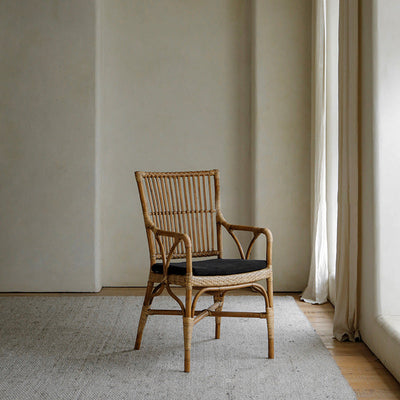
96	90
175	83
175	80
387	132
281	116
47	145
380	146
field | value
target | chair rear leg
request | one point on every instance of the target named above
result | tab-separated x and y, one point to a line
270	318
143	315
218	297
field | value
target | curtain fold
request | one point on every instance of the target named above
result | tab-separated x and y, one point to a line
316	291
332	139
345	324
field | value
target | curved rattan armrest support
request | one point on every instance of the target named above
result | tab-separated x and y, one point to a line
178	237
257	231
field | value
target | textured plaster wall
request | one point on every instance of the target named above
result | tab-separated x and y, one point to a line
380	189
92	91
175	82
47	132
281	122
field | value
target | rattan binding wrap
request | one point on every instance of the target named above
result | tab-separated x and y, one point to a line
217	280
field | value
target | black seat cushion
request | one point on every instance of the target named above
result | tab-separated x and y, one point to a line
213	267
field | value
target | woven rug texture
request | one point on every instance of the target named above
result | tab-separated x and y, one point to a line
81	348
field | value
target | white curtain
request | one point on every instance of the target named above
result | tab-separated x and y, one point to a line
317	288
321	283
332	133
345	323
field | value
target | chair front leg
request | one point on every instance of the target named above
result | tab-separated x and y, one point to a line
188	327
270	318
143	315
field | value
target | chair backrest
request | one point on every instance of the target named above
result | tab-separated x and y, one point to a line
186	202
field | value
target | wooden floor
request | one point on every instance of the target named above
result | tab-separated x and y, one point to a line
365	373
367	376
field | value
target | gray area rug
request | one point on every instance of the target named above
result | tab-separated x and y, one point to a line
82	348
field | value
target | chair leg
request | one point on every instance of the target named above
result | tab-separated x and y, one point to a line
187	335
188	323
218	297
270	318
143	315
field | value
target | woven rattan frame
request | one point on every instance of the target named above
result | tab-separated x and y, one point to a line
183	219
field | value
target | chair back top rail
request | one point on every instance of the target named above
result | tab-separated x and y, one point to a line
185	202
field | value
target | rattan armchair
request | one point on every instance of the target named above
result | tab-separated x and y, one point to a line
183	220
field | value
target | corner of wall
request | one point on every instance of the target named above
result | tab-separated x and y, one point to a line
97	172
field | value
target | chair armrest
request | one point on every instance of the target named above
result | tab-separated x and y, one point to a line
257	231
254	229
178	237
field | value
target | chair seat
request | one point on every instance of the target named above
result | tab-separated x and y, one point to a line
213	267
